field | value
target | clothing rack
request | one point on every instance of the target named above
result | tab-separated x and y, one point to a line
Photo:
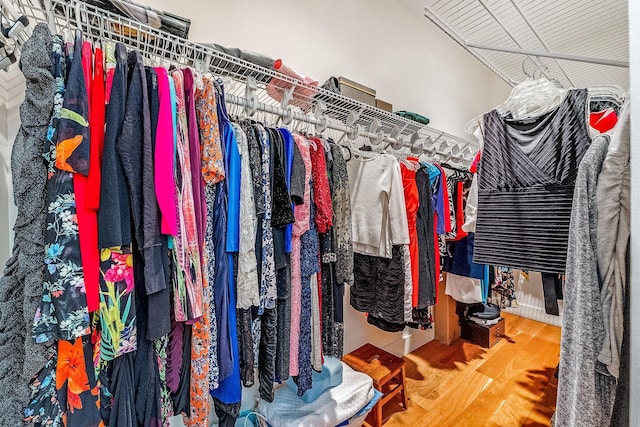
245	83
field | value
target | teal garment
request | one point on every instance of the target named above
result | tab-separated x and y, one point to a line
434	172
485	285
413	116
438	185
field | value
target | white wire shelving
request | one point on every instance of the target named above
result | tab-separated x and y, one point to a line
346	120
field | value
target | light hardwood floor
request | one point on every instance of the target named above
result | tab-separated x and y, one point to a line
462	384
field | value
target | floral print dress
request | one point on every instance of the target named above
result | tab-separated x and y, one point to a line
63	312
65	390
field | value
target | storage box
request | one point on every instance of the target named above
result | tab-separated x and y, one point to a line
384	105
356	91
484	336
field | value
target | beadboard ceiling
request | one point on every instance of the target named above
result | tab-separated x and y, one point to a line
587	28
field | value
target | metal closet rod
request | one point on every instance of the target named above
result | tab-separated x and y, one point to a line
261	106
565	56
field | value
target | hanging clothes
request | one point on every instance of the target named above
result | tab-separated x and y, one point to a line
309	266
427	279
378	289
300	227
530	166
22	279
342	241
204	332
341	198
248	291
63	312
377	226
612	199
88	189
188	293
586	391
195	158
412	203
229	392
408	283
164	157
283	275
117	301
268	286
183	222
503	292
156	252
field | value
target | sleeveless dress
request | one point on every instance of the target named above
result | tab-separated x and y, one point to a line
525	186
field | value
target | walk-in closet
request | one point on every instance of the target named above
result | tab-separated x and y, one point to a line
318	214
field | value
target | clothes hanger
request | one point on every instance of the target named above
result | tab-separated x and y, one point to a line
532	97
12	29
344	147
312	143
7	56
411	165
67	33
325	143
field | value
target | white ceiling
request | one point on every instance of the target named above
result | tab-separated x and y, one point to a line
596	29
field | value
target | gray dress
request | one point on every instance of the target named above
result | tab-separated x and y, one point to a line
586	391
614	223
21	284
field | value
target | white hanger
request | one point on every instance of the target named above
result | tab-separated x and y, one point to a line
410	164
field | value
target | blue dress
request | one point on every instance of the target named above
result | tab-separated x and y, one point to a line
226	217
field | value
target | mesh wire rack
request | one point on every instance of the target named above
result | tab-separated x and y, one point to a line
253	88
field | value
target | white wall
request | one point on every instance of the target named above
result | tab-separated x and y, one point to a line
383	44
380	43
530	299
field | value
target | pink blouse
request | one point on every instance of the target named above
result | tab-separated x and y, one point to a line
302	214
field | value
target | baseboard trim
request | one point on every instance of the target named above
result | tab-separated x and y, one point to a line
536	313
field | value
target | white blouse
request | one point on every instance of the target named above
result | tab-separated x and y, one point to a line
378	211
247	282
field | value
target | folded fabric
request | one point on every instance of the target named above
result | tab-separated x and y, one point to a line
333	407
174	24
413	116
358	419
255	58
302	94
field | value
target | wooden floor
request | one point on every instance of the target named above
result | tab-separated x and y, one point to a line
511	384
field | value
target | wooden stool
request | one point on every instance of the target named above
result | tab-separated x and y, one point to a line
387	372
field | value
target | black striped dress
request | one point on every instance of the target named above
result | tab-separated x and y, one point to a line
525	186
